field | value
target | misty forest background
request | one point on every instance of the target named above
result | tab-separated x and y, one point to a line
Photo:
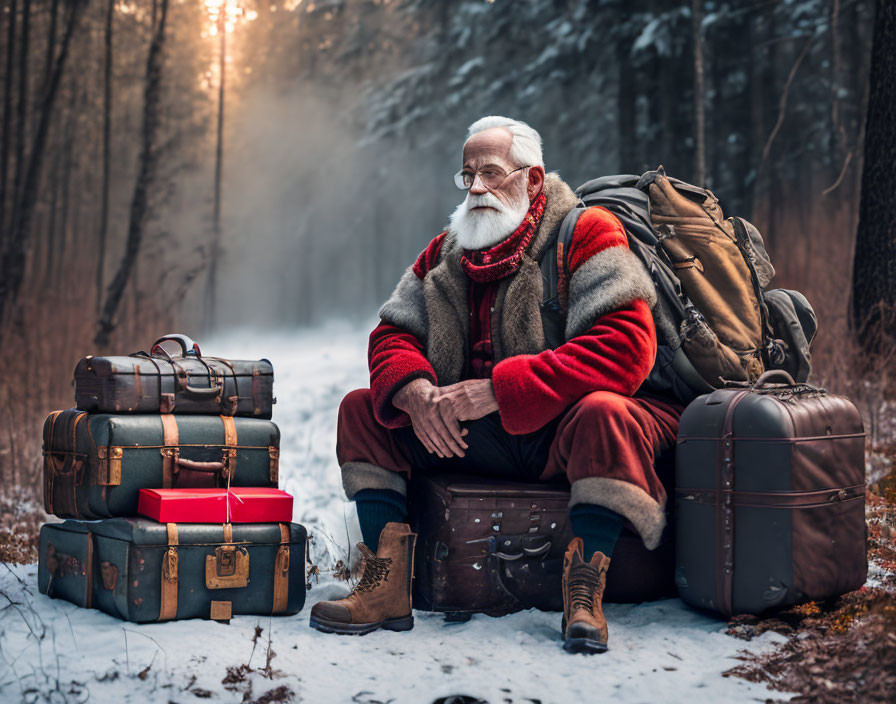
179	165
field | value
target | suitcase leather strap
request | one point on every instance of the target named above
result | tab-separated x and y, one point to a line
71	467
725	508
171	449
168	605
281	572
49	473
230	443
274	455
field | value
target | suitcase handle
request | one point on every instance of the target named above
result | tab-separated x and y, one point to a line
187	346
196	466
766	375
527	552
203	391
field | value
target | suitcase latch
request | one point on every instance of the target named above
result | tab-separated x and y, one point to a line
226	557
169	566
228	568
109	471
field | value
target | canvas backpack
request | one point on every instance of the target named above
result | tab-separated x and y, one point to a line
716	321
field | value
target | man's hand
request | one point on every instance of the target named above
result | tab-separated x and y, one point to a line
467	400
420	400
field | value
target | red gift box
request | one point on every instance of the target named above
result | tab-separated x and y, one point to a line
234	505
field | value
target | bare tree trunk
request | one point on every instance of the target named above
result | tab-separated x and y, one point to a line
7	117
625	106
753	115
107	131
68	141
52	227
12	262
874	267
699	93
212	283
22	121
145	179
51	43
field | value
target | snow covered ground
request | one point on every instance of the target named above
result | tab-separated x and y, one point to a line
51	650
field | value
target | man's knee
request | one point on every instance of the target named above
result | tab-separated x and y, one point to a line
355	425
603	407
356	406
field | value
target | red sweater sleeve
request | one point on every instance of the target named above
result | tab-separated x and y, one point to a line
615	347
396	356
616	354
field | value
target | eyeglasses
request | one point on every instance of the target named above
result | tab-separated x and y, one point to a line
491	177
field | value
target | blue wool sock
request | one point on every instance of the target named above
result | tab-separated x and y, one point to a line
376	508
598	527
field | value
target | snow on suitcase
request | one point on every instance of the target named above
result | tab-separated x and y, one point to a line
96	464
186	383
139	570
492	546
770	497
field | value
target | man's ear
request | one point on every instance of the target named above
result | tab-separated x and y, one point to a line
536	181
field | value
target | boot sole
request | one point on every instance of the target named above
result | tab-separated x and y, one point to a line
398	623
589	646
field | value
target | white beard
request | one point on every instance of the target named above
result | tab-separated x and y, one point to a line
480	229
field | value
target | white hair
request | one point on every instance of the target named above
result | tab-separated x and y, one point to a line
525	149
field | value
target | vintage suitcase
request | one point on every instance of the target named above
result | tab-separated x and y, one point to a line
770	497
491	546
139	570
96	464
187	383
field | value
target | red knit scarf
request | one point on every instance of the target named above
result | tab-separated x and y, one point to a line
504	258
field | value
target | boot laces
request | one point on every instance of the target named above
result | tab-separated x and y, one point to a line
375	570
584	584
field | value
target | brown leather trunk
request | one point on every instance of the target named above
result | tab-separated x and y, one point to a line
770	497
495	547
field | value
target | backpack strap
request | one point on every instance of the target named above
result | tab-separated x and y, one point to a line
555	260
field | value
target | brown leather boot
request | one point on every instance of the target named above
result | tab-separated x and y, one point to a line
584	626
382	597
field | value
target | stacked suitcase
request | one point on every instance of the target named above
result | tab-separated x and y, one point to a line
162	421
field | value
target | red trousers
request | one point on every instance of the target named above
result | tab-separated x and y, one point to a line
609	440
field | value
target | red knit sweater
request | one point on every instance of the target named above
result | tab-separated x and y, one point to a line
615	354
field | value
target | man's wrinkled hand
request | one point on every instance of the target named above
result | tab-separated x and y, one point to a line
438	433
467	400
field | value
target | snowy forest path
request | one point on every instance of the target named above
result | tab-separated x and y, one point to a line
661	651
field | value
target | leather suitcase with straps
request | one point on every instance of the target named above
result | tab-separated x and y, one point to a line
139	570
770	497
95	463
184	383
490	546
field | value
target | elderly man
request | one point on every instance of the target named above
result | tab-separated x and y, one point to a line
461	379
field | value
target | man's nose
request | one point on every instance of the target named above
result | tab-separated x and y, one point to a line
478	188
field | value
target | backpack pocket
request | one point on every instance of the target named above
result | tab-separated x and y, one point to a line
794	324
